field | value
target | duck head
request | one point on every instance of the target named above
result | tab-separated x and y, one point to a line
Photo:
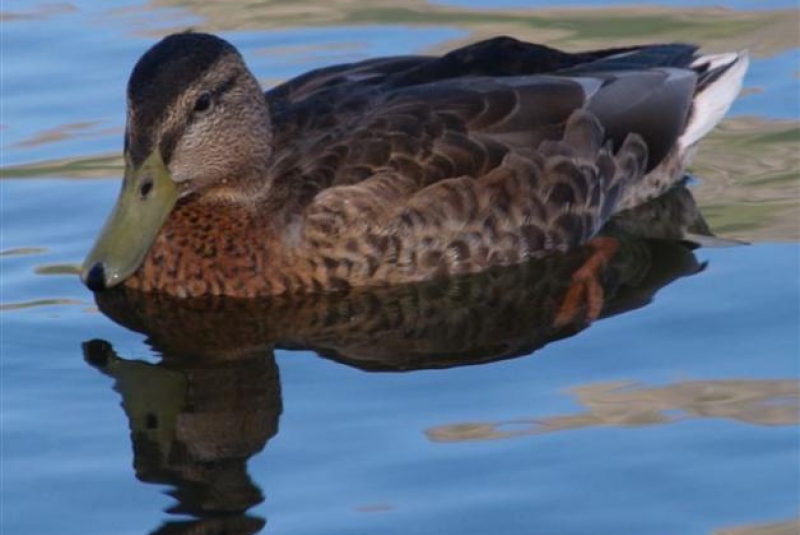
197	127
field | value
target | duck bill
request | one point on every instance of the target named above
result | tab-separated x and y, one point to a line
147	197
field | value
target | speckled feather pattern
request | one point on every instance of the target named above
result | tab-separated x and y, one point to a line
406	169
393	228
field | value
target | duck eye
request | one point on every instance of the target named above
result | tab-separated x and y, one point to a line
203	102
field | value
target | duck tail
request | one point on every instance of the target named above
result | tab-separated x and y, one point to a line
720	78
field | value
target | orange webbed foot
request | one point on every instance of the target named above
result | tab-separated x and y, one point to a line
586	293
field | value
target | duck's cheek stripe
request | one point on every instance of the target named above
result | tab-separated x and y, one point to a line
169	140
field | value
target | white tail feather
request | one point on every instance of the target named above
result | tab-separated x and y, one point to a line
713	102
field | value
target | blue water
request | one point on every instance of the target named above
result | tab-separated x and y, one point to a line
703	443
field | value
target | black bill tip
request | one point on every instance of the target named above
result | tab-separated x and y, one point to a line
95	278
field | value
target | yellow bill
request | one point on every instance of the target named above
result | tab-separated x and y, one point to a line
147	197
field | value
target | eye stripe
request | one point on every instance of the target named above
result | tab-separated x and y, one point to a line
215	94
170	137
226	86
169	140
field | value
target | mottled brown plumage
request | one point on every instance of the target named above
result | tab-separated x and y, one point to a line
398	169
499	313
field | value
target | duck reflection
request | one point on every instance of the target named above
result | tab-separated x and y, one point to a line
195	420
214	399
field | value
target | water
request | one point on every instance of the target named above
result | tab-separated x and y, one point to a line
677	413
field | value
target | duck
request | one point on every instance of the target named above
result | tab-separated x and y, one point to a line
393	170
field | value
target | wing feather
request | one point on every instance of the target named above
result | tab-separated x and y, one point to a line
489	155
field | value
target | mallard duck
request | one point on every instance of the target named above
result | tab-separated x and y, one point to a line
392	170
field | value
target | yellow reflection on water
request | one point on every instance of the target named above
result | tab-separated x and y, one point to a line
4	307
38	12
68	131
764	32
23	251
58	269
788	527
619	404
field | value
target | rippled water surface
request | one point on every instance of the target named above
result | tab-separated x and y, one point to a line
445	409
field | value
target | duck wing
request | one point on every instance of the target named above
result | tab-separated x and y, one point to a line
491	87
467	126
421	166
